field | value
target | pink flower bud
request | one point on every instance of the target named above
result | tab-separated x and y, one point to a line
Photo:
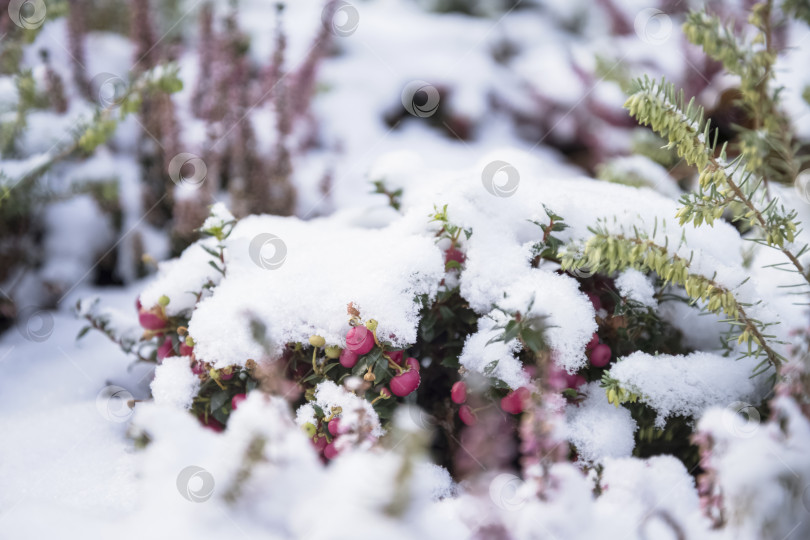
359	340
396	356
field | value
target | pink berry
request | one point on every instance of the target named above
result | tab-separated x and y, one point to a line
186	350
513	402
454	254
413	363
329	451
396	356
151	321
212	424
348	359
600	355
138	305
404	384
467	416
597	303
359	340
237	399
197	368
334	426
458	394
385	392
226	374
319	443
165	349
575	381
593	342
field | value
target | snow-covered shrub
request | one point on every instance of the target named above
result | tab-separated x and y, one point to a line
568	349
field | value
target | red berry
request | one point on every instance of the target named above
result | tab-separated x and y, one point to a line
359	340
600	355
348	359
166	349
334	426
458	394
593	342
467	415
413	363
237	399
513	402
404	384
454	254
151	321
396	356
329	451
597	303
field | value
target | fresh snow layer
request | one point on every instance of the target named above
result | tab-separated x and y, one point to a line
599	429
175	384
688	385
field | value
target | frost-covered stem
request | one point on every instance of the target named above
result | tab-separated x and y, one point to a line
207	46
254	454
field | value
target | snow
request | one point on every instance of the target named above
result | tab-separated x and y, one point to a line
636	286
598	429
688	385
175	384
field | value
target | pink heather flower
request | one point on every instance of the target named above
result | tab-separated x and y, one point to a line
359	340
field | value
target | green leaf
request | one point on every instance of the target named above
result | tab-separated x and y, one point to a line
83	332
218	399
